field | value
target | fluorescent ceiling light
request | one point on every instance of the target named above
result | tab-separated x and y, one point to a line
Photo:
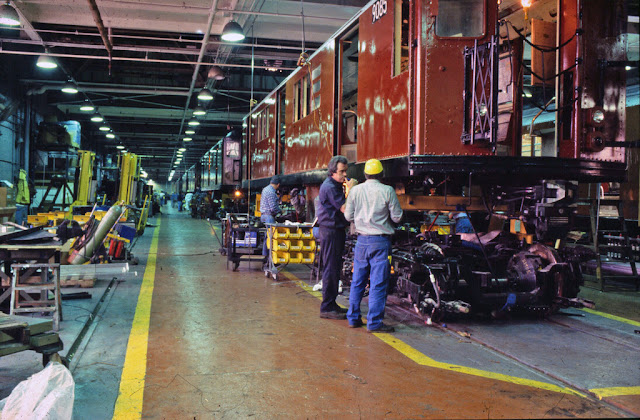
97	118
69	88
199	111
216	73
121	147
9	15
182	149
104	128
232	32
87	107
187	139
205	95
190	131
46	62
111	136
193	122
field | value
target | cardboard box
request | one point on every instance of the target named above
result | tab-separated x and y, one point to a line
6	197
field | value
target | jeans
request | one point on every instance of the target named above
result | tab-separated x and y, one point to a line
266	218
371	261
331	250
21	213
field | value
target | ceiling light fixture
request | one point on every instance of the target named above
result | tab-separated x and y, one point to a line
97	118
87	107
187	139
190	131
46	62
232	32
182	149
9	15
199	111
193	122
205	95
216	73
104	128
121	147
111	136
69	88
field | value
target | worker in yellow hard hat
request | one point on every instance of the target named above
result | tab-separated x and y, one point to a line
23	197
373	207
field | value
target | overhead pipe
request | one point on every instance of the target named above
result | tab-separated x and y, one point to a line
143	60
146	50
103	31
150	38
288	15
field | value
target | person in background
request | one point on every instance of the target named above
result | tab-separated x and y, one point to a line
332	226
372	207
463	224
299	204
23	198
269	208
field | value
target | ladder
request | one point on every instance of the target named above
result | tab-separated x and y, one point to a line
617	243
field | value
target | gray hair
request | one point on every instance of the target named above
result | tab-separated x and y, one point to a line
333	163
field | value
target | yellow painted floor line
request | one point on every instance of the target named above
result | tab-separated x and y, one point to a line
615	391
614	317
424	360
129	402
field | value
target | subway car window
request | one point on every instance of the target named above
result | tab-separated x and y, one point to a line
460	18
401	37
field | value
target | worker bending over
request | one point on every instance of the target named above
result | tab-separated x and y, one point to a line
371	206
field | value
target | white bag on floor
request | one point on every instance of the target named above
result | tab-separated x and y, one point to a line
48	394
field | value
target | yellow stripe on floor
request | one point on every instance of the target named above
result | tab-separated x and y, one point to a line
615	391
424	360
129	402
614	317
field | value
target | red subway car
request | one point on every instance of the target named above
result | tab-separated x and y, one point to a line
436	87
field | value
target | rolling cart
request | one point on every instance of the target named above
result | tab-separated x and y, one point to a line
243	242
288	244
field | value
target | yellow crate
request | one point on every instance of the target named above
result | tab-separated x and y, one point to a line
295	233
296	245
308	258
280	257
280	232
295	257
306	233
280	244
309	245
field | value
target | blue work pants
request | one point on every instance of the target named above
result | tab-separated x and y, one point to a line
331	250
266	218
371	261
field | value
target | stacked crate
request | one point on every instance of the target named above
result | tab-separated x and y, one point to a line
291	245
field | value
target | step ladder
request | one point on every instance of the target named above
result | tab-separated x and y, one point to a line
28	279
617	243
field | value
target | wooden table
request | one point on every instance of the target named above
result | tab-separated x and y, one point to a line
45	252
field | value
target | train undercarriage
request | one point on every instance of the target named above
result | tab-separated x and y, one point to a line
513	260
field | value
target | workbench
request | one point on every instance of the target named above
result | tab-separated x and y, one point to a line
20	333
39	253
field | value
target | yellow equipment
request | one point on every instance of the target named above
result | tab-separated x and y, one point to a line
84	177
129	174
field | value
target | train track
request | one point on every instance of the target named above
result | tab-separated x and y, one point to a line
406	315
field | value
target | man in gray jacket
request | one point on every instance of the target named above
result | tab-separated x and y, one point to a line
371	206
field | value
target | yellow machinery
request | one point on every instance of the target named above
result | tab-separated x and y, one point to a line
129	174
84	177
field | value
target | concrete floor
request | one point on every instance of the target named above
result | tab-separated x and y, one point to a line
224	344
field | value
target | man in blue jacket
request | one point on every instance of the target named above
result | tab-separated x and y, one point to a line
332	226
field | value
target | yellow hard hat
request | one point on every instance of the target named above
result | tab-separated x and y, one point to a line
372	167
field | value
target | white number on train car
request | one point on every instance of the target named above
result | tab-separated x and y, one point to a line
378	10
